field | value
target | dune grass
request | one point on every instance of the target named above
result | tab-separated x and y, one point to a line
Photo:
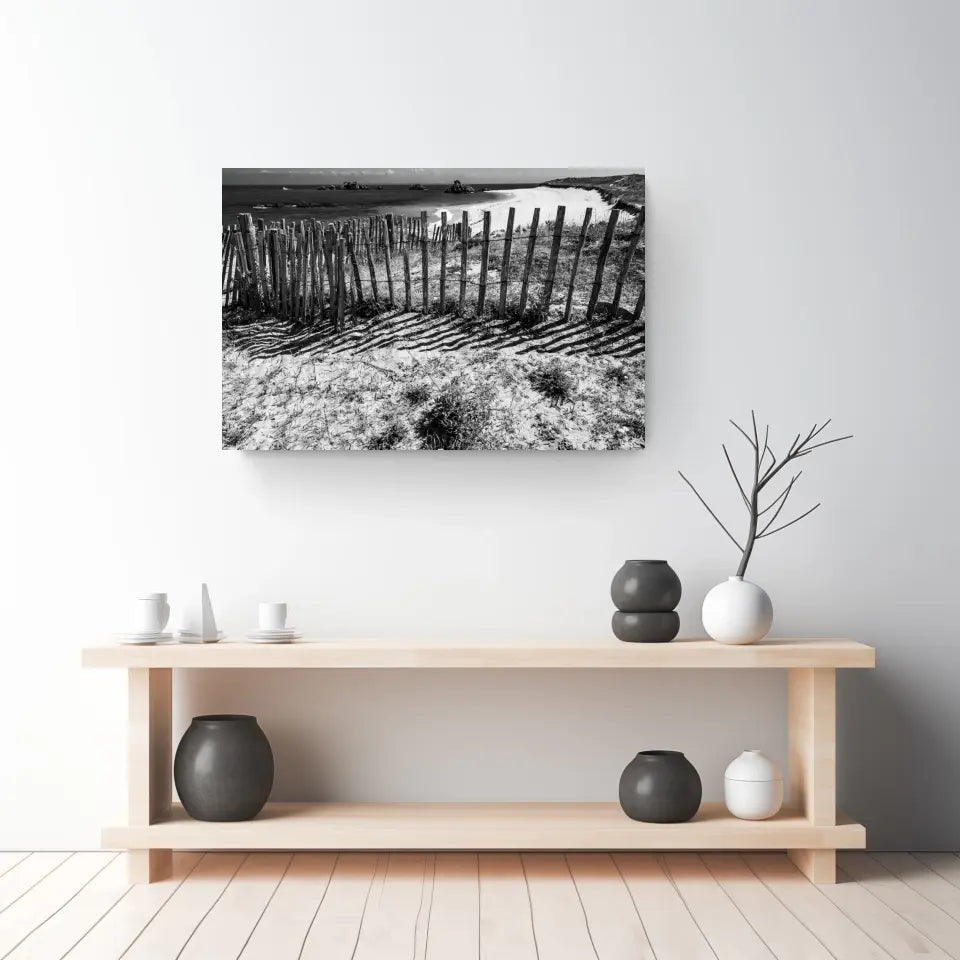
417	400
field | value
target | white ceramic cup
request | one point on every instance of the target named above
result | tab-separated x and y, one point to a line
150	615
162	597
272	616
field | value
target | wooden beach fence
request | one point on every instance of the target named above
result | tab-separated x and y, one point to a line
310	271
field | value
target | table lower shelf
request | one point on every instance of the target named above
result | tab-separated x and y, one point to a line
482	826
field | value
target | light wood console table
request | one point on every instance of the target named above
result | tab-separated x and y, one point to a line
809	829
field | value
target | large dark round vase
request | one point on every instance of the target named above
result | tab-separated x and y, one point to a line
660	786
223	768
645	586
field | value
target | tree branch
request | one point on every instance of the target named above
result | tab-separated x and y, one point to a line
735	477
792	522
775	501
784	495
712	514
746	435
826	443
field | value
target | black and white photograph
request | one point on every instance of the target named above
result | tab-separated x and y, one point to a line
433	308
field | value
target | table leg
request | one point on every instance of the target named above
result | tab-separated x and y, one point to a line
149	759
812	733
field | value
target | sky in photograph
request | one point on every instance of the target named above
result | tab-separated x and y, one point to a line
389	175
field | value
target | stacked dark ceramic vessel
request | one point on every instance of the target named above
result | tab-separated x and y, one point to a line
646	593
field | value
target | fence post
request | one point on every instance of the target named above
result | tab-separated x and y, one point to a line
390	234
318	243
528	263
601	261
425	261
505	263
239	260
388	253
406	279
341	293
329	243
356	287
353	301
225	270
484	257
464	247
253	256
443	262
552	264
304	264
284	290
627	258
638	309
400	231
585	226
373	274
274	244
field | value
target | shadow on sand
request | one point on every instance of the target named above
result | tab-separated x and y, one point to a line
269	337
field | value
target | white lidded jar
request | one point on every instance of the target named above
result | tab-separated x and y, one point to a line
753	786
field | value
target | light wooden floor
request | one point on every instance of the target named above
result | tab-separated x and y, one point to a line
507	906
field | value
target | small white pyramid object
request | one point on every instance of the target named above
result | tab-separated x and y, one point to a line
198	624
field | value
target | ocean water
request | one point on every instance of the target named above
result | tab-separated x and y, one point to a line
297	203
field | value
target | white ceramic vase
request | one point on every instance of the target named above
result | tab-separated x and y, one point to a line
737	611
753	786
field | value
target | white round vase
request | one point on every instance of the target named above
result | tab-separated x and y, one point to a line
737	611
753	786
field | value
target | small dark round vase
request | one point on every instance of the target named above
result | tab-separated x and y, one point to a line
646	627
660	786
645	586
223	768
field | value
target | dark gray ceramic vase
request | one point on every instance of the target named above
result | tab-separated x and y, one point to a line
645	586
646	627
223	768
660	786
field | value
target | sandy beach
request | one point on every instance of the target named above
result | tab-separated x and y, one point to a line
524	201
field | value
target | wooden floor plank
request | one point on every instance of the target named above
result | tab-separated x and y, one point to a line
165	935
670	927
725	928
932	921
559	923
286	919
224	931
10	858
540	906
334	931
453	929
421	936
926	881
26	874
884	926
810	905
388	930
947	865
783	933
27	913
506	925
615	926
117	928
73	919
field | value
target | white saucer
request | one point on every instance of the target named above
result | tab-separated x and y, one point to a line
264	636
144	638
184	637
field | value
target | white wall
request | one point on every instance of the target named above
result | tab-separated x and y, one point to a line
803	256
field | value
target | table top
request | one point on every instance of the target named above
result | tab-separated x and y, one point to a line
594	653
